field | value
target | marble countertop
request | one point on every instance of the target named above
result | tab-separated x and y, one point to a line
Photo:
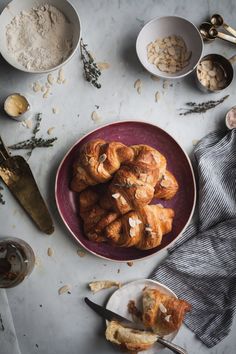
45	322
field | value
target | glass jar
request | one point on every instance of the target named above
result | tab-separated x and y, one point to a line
17	261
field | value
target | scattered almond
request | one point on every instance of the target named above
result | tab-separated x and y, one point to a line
50	79
49	131
95	117
130	264
138	86
47	92
61	76
27	123
64	289
157	96
81	253
103	66
98	285
155	78
36	86
55	110
50	252
194	142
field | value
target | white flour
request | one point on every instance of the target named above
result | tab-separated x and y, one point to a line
40	38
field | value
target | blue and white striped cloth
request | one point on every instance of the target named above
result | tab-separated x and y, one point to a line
201	266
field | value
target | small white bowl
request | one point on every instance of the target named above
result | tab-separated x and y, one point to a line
166	26
15	7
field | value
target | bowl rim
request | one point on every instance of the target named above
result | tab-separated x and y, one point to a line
68	227
163	76
45	71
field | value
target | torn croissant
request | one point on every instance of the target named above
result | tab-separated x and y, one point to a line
128	338
162	313
98	285
142	229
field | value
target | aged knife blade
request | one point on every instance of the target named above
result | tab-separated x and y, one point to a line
112	316
17	175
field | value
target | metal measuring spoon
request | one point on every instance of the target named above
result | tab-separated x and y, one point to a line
209	32
218	21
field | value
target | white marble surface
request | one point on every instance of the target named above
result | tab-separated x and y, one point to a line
64	324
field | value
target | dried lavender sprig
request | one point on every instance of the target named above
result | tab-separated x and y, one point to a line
202	107
32	144
91	70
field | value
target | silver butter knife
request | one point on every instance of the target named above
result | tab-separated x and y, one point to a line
112	316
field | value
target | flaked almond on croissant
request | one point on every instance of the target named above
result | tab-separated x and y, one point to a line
163	313
142	229
166	187
133	185
98	160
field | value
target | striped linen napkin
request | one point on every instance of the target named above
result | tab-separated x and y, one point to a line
201	266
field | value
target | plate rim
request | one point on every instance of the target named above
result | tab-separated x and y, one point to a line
68	227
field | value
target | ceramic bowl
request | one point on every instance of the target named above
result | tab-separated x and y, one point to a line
15	7
166	26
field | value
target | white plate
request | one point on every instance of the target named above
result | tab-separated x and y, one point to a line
133	291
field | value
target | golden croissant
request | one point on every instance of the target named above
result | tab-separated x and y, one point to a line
163	313
133	185
166	187
142	229
98	160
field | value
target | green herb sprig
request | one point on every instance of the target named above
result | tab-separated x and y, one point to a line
91	70
201	107
33	143
2	201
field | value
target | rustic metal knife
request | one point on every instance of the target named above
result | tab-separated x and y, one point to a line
112	316
17	175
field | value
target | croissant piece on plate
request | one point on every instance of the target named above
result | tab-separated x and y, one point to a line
133	185
166	187
127	338
143	229
163	313
98	161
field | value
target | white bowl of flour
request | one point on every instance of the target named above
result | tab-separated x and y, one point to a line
39	36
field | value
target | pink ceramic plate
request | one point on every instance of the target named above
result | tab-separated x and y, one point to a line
129	133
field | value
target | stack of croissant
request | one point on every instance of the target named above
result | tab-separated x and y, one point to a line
116	184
